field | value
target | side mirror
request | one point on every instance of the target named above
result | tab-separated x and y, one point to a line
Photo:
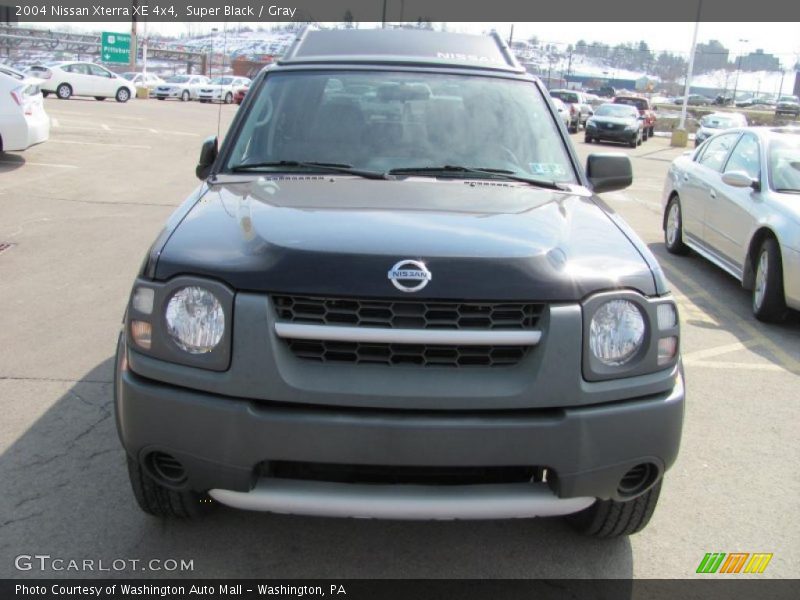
208	154
609	172
739	179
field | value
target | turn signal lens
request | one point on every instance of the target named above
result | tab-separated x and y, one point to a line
143	300
667	347
142	333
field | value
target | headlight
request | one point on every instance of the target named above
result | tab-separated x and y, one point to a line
633	127
195	320
616	332
591	123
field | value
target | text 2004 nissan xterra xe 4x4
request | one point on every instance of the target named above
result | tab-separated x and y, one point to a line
395	295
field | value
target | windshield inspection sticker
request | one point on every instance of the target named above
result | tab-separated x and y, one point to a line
546	168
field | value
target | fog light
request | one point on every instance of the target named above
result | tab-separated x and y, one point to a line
667	316
143	300
667	347
142	333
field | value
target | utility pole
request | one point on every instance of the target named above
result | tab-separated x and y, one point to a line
383	22
738	68
511	36
134	49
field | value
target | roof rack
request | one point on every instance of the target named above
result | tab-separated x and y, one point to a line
401	46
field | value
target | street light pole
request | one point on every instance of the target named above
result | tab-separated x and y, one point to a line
738	68
679	136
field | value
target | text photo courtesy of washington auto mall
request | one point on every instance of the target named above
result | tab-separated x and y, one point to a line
399	299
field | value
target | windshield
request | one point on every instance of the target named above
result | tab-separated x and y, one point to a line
717	122
784	163
788	99
177	79
381	121
222	80
129	76
616	110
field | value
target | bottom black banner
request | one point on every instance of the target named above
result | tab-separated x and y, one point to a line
389	589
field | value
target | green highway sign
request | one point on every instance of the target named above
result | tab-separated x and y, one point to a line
115	47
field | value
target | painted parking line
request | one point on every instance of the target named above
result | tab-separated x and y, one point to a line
52	141
39	164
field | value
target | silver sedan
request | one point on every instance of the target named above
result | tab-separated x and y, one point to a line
735	200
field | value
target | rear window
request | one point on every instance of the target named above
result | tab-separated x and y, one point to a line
639	103
565	96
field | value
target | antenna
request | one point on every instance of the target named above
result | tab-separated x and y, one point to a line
222	72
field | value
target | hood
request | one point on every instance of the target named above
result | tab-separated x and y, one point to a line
341	236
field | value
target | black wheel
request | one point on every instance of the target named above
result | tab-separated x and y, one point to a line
155	499
64	91
185	96
652	131
123	94
610	518
587	139
573	128
645	137
673	227
635	141
99	98
768	300
161	97
45	94
639	141
228	98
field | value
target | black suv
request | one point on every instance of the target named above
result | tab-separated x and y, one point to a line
395	294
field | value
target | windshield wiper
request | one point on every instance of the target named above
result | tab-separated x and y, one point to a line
309	165
501	173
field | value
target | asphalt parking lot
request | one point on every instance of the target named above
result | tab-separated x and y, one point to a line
81	211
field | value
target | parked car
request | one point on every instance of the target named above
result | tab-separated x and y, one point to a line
735	202
68	78
646	112
239	94
788	105
604	92
181	87
698	100
579	108
221	89
716	122
479	336
722	100
147	80
563	112
23	120
617	123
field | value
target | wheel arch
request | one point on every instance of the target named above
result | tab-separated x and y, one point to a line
749	271
673	194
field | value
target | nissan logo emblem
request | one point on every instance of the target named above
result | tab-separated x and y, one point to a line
409	275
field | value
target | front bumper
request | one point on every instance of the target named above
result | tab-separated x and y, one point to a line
223	442
616	135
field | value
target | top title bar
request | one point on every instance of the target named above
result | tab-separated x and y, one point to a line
397	10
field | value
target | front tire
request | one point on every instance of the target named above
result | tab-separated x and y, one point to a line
768	301
123	95
587	139
185	96
652	131
611	518
673	228
228	98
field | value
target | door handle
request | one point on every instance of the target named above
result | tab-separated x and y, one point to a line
713	194
686	177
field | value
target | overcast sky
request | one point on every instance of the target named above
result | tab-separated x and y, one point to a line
781	39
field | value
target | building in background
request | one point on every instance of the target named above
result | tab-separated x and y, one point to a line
710	57
759	61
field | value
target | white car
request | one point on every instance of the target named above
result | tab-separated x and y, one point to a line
67	79
222	89
716	122
734	201
563	111
23	121
148	80
180	87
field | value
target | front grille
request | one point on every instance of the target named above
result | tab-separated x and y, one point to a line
424	355
407	314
